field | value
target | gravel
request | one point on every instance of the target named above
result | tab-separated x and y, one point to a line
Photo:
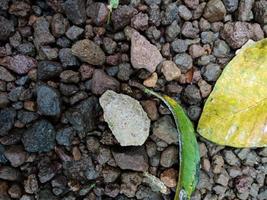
58	57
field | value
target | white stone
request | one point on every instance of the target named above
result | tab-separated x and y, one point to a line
126	118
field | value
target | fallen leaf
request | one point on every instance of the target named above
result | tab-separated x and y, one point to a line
235	114
189	160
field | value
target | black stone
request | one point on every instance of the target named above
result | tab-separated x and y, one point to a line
48	101
7	118
40	137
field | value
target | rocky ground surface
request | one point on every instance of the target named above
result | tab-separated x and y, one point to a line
58	57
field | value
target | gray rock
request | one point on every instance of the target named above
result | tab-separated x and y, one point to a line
244	12
48	101
70	76
74	32
237	33
19	64
206	182
48	70
222	179
77	169
252	159
183	61
121	17
189	30
131	158
191	95
143	53
98	12
42	33
184	12
15	155
260	12
172	31
7	119
59	25
110	174
164	129
214	11
4	101
140	21
129	183
125	71
146	193
151	2
40	137
101	82
7	28
75	11
109	45
169	156
211	72
179	46
65	135
26	49
196	50
4	4
9	173
208	37
26	116
193	4
154	15
231	158
5	75
194	112
67	58
170	14
15	93
83	115
130	127
221	49
89	52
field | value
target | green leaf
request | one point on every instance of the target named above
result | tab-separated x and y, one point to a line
235	114
114	4
189	161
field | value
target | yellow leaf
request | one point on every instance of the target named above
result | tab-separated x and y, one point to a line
235	114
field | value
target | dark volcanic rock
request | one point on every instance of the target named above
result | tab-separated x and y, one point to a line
26	116
40	137
7	27
5	75
16	155
102	82
48	69
83	116
89	52
75	11
7	118
121	17
64	136
237	33
20	8
78	169
98	12
9	173
132	158
42	33
48	101
20	64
